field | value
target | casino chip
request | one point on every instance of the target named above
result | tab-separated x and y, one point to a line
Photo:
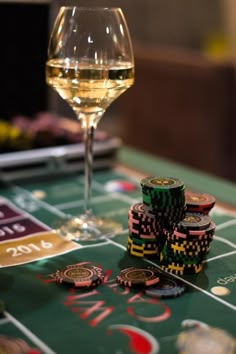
167	287
205	341
80	275
139	277
199	202
164	199
194	222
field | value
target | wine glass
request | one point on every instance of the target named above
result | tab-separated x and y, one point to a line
90	64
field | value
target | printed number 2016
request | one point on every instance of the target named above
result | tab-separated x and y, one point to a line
23	249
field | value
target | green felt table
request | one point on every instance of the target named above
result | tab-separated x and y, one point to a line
108	319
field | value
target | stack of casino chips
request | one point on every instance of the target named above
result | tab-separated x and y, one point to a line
163	206
164	199
143	232
187	245
172	225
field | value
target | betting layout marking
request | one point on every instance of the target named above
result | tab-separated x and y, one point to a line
25	239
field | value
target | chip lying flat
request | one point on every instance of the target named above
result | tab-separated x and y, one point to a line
167	287
138	277
80	275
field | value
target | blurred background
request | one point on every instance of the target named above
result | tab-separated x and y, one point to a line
182	106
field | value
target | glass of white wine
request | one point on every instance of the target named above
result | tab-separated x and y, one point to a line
90	64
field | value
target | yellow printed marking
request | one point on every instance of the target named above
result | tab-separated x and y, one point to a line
138	247
177	248
136	253
150	252
175	267
196	197
162	181
43	245
192	218
130	240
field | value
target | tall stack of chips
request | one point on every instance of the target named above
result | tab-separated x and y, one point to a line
171	224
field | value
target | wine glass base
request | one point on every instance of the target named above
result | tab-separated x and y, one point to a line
87	228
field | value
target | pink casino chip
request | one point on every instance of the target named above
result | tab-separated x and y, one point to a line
120	186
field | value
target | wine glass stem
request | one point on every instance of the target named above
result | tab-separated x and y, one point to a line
88	140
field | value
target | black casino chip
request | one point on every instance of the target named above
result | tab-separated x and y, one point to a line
80	275
167	287
138	277
193	221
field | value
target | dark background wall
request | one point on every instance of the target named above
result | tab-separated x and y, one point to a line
23	45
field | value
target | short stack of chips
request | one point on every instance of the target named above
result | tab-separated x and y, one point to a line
164	198
143	232
171	224
187	245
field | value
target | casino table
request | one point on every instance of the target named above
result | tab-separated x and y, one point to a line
108	319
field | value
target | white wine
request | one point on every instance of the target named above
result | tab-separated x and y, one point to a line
88	88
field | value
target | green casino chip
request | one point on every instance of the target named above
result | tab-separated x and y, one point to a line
160	183
162	192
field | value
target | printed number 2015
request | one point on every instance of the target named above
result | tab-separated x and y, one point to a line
23	249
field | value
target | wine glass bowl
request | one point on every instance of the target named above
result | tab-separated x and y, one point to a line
90	64
90	59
